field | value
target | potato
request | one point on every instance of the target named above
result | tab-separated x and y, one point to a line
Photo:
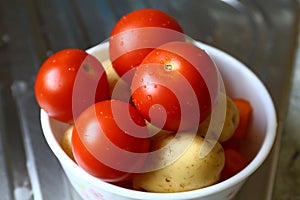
156	132
227	126
66	142
119	88
189	171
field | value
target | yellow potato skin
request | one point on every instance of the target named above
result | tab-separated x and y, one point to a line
188	172
229	124
66	142
156	132
119	89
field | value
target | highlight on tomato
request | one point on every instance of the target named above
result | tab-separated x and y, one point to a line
175	86
136	34
110	140
69	81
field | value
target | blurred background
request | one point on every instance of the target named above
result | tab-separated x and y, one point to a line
262	34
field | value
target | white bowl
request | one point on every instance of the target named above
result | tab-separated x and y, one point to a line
239	82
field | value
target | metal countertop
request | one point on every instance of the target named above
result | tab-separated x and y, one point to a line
262	34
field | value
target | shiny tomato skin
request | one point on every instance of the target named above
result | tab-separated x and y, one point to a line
172	76
101	128
146	17
137	33
68	81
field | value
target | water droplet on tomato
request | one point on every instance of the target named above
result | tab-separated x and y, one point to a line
151	73
137	105
71	69
149	97
189	103
175	107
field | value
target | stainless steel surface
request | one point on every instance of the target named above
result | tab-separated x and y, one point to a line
288	172
262	34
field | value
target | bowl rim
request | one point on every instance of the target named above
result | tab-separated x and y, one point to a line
255	163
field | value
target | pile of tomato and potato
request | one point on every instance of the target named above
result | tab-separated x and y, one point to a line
141	120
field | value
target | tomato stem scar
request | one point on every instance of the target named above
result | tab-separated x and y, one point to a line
169	67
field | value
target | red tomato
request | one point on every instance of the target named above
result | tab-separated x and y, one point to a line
176	83
234	163
68	82
136	34
245	112
110	140
232	143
